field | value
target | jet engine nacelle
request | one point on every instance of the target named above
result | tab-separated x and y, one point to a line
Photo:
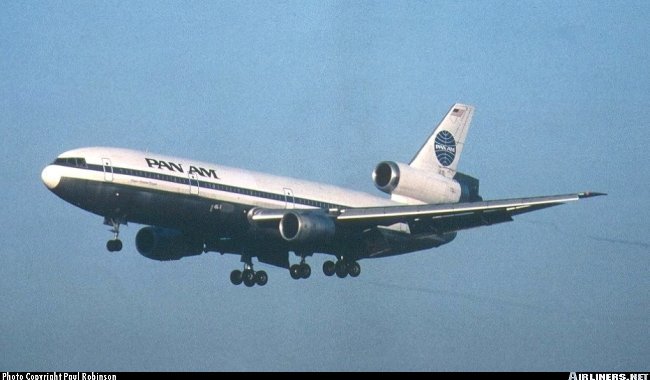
411	185
307	227
165	244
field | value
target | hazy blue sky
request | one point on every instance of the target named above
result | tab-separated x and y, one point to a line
324	91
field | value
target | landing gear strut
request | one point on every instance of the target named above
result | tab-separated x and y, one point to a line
114	245
248	276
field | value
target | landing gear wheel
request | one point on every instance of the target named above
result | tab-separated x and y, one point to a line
236	277
114	245
341	269
261	278
329	268
248	276
354	269
305	271
295	271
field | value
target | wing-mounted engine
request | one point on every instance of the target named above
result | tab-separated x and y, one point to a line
313	227
164	244
303	228
413	186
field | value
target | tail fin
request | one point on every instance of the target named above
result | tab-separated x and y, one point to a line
442	150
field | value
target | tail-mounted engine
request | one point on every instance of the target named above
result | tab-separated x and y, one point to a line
165	244
410	185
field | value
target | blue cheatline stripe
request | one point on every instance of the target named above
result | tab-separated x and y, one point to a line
204	184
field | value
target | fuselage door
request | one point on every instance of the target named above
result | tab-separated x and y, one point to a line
194	184
108	169
288	198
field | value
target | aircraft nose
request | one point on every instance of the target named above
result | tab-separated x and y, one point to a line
51	177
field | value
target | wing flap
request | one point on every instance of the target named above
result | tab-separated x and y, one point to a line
452	223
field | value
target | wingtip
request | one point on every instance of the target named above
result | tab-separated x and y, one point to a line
589	194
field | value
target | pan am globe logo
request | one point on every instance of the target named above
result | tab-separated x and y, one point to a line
445	147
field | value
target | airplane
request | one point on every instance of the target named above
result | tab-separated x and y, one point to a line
191	207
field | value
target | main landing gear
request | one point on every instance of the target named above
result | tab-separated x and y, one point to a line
341	268
114	245
302	270
248	276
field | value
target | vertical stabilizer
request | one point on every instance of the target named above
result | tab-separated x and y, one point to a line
441	153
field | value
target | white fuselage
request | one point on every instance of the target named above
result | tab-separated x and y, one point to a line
210	181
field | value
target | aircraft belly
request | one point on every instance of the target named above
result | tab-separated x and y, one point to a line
154	207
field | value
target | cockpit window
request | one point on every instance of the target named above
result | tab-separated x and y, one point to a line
76	162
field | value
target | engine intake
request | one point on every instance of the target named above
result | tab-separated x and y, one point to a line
307	228
164	244
386	176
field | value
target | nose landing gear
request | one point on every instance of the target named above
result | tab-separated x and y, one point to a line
114	245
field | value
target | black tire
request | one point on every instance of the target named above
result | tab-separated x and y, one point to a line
248	276
294	271
236	277
354	269
110	246
341	269
114	245
305	271
329	268
261	278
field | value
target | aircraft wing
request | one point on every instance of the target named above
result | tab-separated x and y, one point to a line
452	217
